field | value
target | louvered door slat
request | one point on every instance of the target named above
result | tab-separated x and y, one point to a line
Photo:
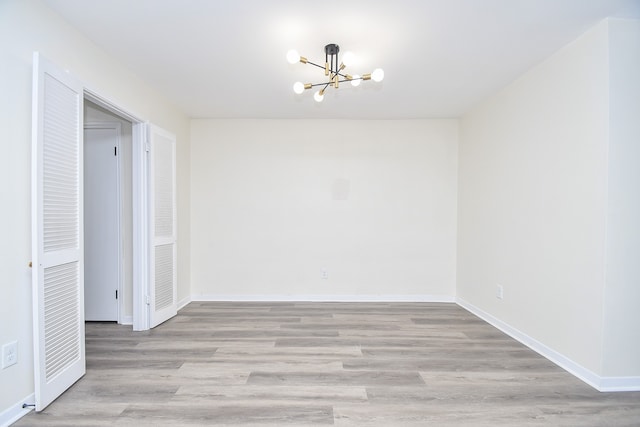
164	276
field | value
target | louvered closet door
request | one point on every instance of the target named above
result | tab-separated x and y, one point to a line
57	232
162	209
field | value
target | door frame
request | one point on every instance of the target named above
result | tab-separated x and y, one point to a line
120	267
139	182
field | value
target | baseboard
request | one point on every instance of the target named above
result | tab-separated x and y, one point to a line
184	301
326	298
619	384
16	411
599	383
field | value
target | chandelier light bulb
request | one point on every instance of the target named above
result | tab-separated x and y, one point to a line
318	96
293	56
298	87
377	75
348	58
355	82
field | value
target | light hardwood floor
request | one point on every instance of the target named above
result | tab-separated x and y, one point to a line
312	364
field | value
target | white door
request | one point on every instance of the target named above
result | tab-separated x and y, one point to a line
101	221
57	232
162	231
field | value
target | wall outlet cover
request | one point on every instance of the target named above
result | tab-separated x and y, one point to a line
9	354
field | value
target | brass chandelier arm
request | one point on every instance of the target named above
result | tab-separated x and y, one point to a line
331	82
322	67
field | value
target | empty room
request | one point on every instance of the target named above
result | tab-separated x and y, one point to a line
291	213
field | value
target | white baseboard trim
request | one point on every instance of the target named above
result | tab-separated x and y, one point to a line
619	384
184	301
326	298
599	383
16	411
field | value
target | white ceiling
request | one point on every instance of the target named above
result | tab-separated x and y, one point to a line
226	58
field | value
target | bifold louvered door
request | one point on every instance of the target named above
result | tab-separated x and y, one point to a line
162	210
57	232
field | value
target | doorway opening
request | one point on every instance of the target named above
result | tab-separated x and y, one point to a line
133	210
108	220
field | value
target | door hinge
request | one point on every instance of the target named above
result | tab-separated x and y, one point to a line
147	147
147	300
116	294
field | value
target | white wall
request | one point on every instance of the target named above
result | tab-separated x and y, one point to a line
532	201
621	350
276	201
549	205
27	26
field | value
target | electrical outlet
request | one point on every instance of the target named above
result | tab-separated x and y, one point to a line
324	274
9	354
499	292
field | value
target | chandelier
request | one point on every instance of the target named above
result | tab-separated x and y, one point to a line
333	70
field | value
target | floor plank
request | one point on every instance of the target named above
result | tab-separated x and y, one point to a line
306	364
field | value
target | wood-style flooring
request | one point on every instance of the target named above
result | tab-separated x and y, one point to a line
318	364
